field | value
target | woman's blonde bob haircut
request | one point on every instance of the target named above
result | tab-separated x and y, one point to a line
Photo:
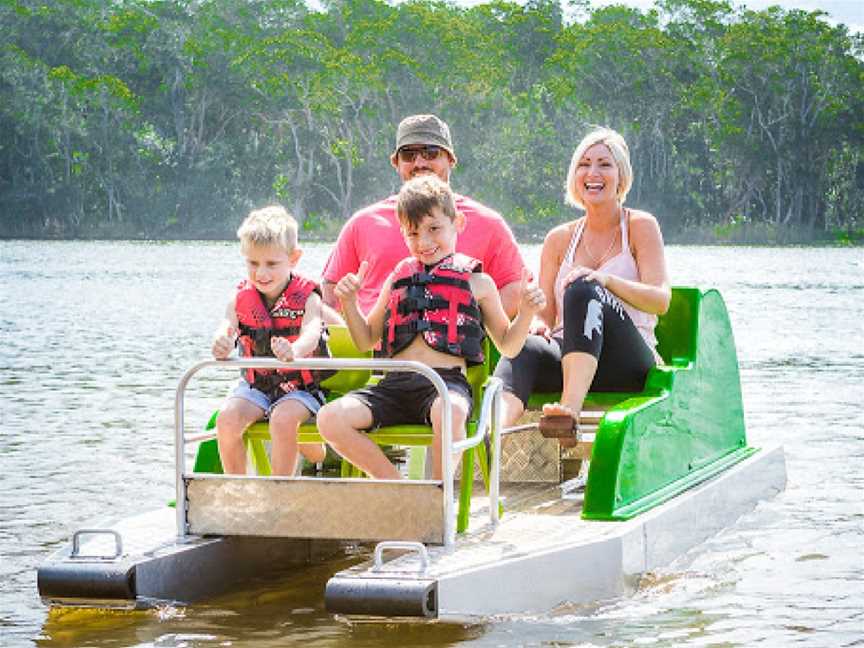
620	153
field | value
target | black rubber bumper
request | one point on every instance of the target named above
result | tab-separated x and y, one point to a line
74	579
382	597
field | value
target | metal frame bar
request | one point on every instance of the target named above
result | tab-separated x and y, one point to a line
490	410
76	543
418	547
489	423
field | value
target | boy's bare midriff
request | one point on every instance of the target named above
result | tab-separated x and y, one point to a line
419	351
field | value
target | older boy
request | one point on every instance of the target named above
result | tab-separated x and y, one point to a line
433	308
274	312
423	147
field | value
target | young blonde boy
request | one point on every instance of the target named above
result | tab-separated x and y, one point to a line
274	312
433	308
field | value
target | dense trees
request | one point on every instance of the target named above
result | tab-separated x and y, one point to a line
171	118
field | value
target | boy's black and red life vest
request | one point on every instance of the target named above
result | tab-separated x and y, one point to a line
437	303
258	325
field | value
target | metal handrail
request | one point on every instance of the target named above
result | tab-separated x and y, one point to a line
419	547
447	446
458	446
487	424
76	543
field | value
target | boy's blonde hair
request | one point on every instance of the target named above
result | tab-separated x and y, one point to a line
420	195
617	146
271	225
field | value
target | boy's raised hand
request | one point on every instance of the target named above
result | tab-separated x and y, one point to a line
282	349
533	297
223	343
347	287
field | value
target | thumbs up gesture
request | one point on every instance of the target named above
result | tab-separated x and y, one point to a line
533	298
347	287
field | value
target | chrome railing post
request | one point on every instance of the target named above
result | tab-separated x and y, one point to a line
495	431
179	445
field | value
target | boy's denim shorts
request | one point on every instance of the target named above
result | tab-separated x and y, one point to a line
311	400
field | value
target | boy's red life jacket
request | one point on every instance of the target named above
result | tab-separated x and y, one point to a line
258	325
436	302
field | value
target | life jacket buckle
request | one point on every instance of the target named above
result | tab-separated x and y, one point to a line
421	278
261	341
260	334
411	304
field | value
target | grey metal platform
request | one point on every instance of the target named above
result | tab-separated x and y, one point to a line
545	554
541	554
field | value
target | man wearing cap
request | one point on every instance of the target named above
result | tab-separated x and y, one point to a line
373	234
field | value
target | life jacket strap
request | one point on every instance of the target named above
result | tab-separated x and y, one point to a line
422	279
260	337
410	305
421	326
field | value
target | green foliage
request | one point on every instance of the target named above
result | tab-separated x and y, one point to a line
849	236
172	118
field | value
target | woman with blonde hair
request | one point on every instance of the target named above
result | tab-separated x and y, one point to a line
605	280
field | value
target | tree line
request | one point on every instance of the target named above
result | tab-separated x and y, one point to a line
172	118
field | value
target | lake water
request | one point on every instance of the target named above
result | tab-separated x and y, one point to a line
96	335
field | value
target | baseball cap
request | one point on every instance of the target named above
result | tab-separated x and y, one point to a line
424	129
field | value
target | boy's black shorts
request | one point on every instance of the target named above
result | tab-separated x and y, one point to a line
406	397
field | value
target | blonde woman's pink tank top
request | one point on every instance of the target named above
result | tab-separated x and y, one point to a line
622	265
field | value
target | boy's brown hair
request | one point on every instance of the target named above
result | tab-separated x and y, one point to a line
420	195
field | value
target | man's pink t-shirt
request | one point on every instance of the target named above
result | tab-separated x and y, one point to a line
373	234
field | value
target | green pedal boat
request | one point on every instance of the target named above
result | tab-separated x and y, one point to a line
662	470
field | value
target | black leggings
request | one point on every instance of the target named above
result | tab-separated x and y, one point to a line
594	323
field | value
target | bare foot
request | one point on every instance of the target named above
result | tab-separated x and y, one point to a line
557	409
561	410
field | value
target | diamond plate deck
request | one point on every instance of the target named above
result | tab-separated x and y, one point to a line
308	507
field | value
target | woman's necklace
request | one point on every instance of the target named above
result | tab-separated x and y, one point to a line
599	261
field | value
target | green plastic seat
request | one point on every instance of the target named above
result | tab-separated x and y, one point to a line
676	343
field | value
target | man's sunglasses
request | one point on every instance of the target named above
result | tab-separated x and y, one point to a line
429	153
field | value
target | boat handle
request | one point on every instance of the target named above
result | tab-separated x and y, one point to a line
76	542
419	547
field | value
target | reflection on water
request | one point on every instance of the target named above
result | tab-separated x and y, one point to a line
97	334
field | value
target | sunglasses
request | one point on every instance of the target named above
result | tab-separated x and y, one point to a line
429	153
